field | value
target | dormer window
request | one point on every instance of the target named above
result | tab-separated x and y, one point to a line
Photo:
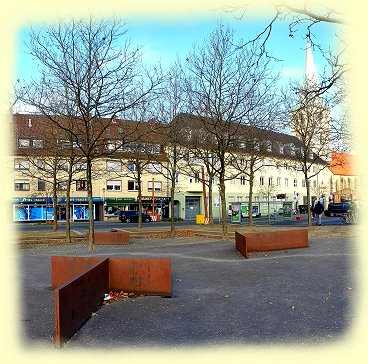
292	149
24	143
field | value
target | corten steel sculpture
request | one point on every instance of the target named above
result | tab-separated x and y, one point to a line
111	237
81	283
275	240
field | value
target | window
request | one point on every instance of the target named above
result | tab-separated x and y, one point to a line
303	182
37	143
314	184
286	182
41	185
133	186
132	166
242	161
269	147
278	181
80	166
281	149
21	164
292	150
81	185
24	143
158	186
156	148
113	185
257	145
113	166
40	164
177	177
261	181
110	145
270	181
21	185
196	177
242	180
242	145
62	165
154	167
62	186
62	143
295	182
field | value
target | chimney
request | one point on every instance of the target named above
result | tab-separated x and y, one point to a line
30	123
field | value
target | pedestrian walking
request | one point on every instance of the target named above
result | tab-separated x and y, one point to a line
318	209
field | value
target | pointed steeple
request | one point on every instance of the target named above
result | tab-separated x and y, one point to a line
310	75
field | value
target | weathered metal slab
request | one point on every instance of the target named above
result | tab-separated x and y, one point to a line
141	275
275	240
65	268
112	237
77	298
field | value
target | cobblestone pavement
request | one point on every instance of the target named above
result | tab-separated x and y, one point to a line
300	296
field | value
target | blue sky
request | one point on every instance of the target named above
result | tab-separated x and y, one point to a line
163	39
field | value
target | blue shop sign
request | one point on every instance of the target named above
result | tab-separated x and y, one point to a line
49	199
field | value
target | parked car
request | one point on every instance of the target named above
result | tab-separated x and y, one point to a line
132	216
303	209
338	208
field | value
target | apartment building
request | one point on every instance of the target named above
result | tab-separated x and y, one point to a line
44	153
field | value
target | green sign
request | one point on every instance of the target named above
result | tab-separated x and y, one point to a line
120	199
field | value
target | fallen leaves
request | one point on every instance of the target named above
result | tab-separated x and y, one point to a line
114	296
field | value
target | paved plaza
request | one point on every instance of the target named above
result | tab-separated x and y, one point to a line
219	298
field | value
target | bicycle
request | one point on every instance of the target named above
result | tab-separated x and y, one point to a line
349	218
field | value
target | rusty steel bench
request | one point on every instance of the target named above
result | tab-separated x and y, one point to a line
111	237
275	240
80	285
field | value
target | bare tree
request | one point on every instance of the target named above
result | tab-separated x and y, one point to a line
310	124
227	82
171	103
304	19
89	73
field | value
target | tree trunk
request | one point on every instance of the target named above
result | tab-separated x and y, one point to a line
250	209
140	208
223	206
54	202
308	201
91	227
172	206
67	215
210	198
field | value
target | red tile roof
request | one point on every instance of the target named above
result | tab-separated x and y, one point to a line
343	164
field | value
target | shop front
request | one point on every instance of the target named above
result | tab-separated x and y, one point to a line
113	206
40	209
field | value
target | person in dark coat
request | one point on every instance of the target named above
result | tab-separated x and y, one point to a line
318	209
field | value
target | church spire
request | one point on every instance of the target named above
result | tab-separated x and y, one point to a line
310	75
